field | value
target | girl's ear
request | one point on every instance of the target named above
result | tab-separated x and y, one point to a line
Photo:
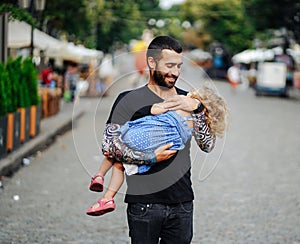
151	62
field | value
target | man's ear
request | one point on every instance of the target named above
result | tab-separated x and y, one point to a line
151	62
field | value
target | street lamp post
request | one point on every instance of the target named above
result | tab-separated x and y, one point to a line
3	37
32	6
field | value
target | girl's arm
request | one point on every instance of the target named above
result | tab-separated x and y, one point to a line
204	137
113	147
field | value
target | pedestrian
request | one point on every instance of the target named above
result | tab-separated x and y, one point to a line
234	75
140	64
160	201
71	78
146	135
47	74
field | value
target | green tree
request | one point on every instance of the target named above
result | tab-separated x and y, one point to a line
149	9
267	14
224	20
94	23
118	22
16	12
67	17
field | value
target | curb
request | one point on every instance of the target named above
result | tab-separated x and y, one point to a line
50	129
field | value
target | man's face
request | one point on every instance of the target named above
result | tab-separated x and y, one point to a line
167	69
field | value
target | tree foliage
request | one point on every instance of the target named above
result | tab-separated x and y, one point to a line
266	14
67	17
118	22
223	20
103	24
17	13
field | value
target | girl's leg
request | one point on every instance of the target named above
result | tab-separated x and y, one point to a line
105	166
116	181
98	178
107	204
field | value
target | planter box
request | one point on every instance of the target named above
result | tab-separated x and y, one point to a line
38	118
10	132
13	131
35	120
17	130
27	124
24	123
3	135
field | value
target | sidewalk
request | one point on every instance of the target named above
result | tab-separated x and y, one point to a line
50	128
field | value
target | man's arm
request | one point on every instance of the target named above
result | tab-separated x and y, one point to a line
202	134
113	147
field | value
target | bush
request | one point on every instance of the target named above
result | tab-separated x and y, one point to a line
18	85
13	68
7	91
29	74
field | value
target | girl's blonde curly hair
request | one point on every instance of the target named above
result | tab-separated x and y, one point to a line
216	112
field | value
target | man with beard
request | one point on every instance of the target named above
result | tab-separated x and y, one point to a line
160	201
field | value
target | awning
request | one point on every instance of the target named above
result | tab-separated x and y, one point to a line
256	55
76	53
19	36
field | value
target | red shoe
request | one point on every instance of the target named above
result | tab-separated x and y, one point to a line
97	182
103	206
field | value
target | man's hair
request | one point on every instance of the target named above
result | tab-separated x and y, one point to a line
162	42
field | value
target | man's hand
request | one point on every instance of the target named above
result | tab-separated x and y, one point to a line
108	155
158	108
181	102
162	153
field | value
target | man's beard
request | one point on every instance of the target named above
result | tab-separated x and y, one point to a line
159	78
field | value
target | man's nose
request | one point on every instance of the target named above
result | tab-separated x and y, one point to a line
175	71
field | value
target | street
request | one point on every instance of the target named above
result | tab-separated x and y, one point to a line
246	190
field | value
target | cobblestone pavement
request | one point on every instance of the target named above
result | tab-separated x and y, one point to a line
247	189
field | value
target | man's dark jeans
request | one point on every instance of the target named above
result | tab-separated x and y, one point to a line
169	223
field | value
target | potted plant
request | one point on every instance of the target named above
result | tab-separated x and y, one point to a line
23	102
3	111
12	99
29	74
